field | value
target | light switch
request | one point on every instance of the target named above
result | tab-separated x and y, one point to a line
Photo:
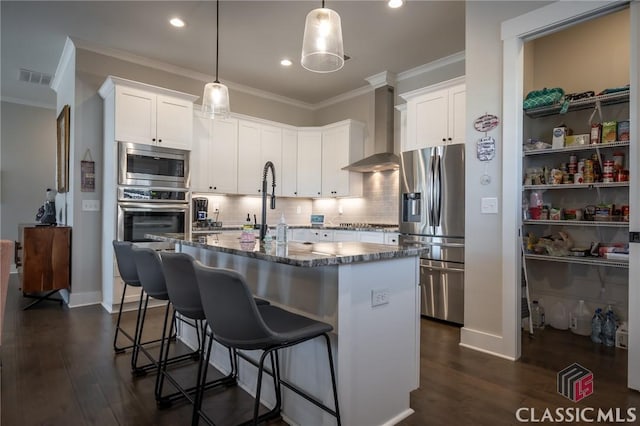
91	205
489	205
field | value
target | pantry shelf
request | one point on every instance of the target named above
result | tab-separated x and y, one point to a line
580	260
578	185
591	147
608	99
580	223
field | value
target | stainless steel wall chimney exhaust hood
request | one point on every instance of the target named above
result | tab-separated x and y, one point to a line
383	158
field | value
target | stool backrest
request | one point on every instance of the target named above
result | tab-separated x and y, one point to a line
181	284
126	264
150	272
231	311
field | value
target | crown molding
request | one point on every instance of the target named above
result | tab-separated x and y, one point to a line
185	72
433	65
26	102
385	78
68	53
343	97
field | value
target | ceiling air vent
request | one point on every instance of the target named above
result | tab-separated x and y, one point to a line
35	77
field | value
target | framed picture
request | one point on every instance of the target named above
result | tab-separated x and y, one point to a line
62	153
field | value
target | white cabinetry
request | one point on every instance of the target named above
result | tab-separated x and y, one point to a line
288	175
342	144
214	156
371	237
345	236
435	115
309	163
152	115
257	144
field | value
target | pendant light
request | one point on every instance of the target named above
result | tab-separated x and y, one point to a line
322	49
215	100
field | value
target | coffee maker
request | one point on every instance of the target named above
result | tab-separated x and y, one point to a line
200	206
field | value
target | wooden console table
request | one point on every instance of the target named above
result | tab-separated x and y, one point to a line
45	265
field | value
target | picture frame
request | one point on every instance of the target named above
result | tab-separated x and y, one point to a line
63	125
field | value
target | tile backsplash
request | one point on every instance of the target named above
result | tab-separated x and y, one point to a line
379	204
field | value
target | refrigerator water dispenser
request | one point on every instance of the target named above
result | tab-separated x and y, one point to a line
411	206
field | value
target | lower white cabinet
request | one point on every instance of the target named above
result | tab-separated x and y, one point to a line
371	237
214	156
345	236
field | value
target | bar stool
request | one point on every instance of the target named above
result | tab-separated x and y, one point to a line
239	323
184	296
151	278
129	275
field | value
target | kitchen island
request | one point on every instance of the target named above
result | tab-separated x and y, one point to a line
368	292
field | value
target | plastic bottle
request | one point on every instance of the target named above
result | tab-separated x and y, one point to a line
281	231
537	315
581	320
596	326
609	329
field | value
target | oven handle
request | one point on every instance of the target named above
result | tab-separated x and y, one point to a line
139	207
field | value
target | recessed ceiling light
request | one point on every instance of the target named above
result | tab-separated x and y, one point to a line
395	3
176	22
286	63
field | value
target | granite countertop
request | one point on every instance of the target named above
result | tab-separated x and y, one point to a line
205	230
294	253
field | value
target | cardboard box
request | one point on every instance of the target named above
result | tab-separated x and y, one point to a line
571	140
559	136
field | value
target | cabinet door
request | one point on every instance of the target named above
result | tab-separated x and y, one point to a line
345	236
335	155
174	124
309	163
249	158
135	116
391	238
288	179
222	162
457	115
371	237
301	234
428	117
271	150
200	158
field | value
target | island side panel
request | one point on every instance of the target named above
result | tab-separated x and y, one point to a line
379	346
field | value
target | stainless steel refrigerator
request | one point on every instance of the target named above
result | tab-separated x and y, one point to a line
432	215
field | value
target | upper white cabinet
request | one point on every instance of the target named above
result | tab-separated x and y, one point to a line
435	115
309	175
342	144
288	177
257	144
151	115
214	155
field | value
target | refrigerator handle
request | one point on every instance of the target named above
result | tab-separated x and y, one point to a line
430	184
437	191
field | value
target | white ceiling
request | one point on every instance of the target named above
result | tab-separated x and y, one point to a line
254	36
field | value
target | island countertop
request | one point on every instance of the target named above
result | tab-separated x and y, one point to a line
293	253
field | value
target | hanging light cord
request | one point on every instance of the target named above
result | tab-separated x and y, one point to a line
217	35
323	4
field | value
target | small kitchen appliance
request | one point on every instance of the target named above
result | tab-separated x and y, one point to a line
200	206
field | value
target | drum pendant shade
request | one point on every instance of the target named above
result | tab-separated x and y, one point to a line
322	48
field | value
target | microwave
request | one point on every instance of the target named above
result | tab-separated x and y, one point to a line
148	165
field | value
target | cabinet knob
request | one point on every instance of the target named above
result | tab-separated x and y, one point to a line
318	193
295	193
153	140
159	140
444	140
259	190
215	187
448	139
210	188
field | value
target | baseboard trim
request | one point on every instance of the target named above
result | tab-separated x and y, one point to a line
87	298
481	341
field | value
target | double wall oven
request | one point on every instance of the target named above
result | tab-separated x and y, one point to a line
153	193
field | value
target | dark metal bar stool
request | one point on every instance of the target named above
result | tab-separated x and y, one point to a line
151	278
129	275
239	323
184	296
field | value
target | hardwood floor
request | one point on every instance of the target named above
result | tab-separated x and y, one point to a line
58	368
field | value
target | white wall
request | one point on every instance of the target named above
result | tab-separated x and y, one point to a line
27	164
483	263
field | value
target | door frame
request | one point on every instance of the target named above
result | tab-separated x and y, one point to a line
514	33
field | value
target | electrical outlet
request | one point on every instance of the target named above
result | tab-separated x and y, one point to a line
91	205
380	297
298	209
340	209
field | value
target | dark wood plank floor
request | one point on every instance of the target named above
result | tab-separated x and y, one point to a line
58	368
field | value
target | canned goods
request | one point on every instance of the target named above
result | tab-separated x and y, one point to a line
573	158
607	168
621	175
588	177
607	177
578	178
567	178
618	160
581	166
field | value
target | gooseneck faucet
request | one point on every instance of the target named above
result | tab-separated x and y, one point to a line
263	224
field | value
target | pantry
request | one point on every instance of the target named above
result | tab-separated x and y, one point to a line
575	189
